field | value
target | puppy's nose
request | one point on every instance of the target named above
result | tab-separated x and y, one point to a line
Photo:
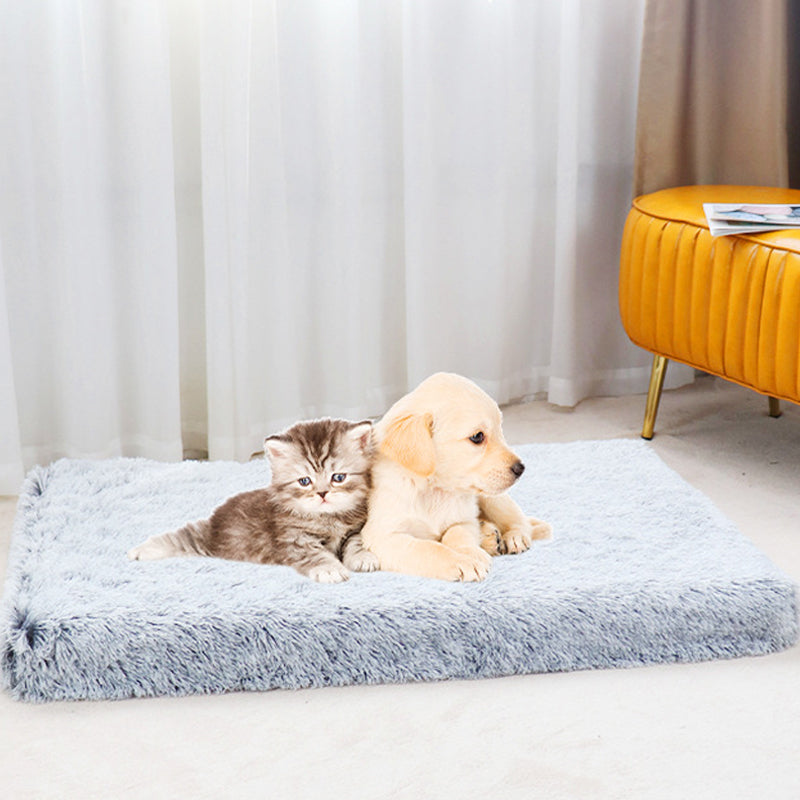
518	468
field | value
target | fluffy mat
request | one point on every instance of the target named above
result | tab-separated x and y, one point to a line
642	569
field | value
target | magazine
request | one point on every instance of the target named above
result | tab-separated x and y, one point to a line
725	219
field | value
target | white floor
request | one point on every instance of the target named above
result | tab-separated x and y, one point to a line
728	729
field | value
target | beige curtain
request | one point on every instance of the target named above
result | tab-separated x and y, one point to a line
712	94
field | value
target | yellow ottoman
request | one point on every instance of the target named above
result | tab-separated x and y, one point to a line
728	305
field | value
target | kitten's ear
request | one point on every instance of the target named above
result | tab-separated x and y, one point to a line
276	448
360	434
408	440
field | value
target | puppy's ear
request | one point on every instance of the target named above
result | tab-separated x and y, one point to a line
408	440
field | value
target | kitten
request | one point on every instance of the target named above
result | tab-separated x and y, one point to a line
309	517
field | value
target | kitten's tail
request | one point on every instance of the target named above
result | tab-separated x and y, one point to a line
190	540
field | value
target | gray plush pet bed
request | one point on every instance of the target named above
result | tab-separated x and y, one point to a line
642	569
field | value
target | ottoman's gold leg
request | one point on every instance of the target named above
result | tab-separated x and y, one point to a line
774	407
654	395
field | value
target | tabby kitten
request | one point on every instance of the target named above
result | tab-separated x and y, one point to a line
309	517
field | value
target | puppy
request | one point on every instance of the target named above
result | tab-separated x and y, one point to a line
438	480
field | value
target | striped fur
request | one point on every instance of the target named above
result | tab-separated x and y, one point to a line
309	517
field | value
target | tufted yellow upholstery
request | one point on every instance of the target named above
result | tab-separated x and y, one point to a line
727	305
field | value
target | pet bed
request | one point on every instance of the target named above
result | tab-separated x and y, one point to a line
642	569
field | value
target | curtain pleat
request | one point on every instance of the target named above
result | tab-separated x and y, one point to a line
87	231
218	218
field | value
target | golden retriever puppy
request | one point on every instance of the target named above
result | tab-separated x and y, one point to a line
441	468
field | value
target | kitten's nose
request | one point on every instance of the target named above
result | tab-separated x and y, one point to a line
518	468
322	494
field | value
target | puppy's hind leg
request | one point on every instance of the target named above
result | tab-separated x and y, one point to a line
190	540
491	540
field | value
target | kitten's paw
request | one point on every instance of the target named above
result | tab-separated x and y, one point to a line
491	540
328	573
362	561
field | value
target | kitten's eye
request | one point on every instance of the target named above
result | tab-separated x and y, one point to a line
304	481
338	477
477	438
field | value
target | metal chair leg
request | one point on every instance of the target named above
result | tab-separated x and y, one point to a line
774	407
654	395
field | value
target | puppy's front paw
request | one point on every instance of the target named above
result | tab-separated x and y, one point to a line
472	565
328	573
518	538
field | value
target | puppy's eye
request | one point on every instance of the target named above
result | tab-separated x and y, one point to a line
477	438
304	481
338	477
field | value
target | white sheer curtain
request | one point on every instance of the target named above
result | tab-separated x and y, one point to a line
87	235
217	218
